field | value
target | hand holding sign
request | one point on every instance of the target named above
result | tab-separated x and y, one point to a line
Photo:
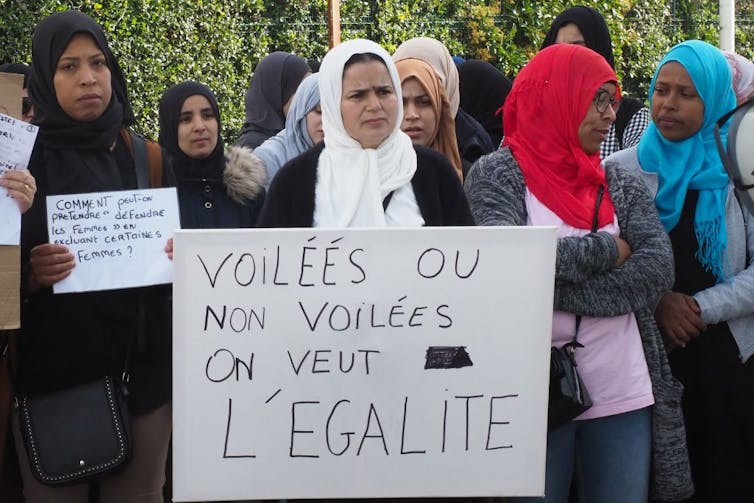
21	186
49	263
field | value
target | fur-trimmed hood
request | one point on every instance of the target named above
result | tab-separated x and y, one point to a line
244	174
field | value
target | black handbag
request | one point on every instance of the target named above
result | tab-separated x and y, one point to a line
77	434
568	396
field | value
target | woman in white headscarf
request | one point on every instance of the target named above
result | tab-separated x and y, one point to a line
367	173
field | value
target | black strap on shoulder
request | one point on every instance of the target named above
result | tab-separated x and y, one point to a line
386	201
140	160
628	107
595	225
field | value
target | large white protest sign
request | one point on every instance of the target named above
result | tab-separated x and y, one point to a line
314	363
16	143
117	238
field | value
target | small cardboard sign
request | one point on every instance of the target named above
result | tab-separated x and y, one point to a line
10	282
11	92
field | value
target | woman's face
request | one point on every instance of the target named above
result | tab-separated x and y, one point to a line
593	128
197	127
677	108
314	124
419	118
82	79
369	105
570	34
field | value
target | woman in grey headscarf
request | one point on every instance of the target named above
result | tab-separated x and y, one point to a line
303	129
274	82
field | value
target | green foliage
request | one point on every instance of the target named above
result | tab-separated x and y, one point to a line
218	42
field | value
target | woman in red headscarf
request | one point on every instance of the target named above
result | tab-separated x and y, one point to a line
613	263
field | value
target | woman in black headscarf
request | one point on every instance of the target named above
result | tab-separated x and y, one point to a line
80	104
216	189
585	26
483	91
272	86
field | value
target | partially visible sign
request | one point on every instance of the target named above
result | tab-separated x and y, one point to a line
117	238
16	143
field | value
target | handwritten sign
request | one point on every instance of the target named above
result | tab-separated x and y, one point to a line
117	238
315	363
16	143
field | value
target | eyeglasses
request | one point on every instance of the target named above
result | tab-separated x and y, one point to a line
603	99
25	105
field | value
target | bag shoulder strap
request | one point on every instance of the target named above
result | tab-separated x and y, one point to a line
386	201
595	225
147	157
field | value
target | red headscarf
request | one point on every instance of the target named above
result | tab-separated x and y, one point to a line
541	118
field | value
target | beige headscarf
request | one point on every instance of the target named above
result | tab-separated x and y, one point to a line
443	138
436	54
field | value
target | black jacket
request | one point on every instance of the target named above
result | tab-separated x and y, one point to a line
441	200
473	140
232	201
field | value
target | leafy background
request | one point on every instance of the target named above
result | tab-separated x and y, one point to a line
218	42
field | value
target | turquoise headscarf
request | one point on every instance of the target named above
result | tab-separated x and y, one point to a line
694	163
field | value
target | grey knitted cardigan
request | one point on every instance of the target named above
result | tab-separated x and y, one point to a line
587	283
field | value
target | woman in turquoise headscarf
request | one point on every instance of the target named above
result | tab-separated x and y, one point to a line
708	317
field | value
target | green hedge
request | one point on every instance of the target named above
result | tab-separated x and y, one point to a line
162	42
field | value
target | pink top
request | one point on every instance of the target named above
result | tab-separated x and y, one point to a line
611	363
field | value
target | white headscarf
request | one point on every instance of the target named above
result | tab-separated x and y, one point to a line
437	55
294	139
352	181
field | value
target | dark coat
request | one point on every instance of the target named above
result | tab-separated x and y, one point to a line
290	201
473	140
231	201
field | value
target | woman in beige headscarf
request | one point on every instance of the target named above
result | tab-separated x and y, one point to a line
427	118
473	140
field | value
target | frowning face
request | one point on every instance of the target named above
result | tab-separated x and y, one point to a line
82	79
369	104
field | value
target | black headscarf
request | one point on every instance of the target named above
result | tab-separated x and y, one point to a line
591	24
483	91
275	79
17	68
170	110
58	129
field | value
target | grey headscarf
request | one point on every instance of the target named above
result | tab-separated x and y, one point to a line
294	139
